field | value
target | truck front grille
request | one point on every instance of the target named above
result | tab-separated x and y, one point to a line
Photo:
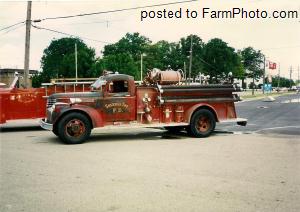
50	102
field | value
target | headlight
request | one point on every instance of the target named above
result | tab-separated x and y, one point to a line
75	100
51	109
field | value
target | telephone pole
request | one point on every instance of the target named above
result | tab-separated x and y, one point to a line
141	67
76	60
184	70
278	80
27	45
191	58
291	70
264	76
298	77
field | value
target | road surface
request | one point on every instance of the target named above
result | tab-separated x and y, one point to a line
151	170
281	116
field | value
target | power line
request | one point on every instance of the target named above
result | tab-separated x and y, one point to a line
13	29
207	63
113	11
63	33
12	25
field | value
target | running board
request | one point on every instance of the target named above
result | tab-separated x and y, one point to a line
154	125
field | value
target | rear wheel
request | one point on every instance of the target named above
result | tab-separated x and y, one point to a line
202	123
74	128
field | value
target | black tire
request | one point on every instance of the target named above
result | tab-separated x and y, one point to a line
202	123
55	131
175	129
74	128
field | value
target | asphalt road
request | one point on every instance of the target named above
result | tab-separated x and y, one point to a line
281	116
152	170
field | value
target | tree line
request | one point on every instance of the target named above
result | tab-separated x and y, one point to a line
214	58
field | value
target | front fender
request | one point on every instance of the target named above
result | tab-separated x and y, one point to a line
191	110
92	113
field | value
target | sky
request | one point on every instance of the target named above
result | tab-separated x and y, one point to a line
278	39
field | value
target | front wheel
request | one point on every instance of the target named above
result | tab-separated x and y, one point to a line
55	130
74	128
202	123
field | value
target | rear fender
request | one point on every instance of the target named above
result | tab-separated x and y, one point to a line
191	110
94	115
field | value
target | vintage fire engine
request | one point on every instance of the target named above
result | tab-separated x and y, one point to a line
30	103
161	101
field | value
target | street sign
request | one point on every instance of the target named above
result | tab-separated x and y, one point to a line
268	87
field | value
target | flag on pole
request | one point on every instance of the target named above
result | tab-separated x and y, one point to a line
272	65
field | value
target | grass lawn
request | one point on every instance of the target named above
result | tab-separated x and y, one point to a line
260	95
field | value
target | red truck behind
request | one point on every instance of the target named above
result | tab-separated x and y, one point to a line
30	103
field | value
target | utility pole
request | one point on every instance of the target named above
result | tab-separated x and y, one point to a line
76	61
298	77
191	58
27	45
200	80
291	70
142	55
264	75
141	67
278	80
184	69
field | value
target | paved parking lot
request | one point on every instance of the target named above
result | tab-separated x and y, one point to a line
149	170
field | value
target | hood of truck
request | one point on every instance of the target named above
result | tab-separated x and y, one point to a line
97	94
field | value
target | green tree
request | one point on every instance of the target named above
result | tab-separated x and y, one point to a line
121	62
133	44
197	50
163	54
58	60
283	82
219	60
252	61
124	55
38	79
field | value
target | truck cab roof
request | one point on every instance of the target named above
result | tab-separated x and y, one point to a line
111	77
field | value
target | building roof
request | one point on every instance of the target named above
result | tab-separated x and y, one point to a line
13	70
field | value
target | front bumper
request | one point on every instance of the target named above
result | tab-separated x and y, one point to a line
46	125
239	121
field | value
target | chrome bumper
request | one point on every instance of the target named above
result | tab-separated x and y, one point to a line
46	125
239	121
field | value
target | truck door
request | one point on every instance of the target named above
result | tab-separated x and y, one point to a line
119	104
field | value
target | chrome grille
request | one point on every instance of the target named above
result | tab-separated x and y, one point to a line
50	102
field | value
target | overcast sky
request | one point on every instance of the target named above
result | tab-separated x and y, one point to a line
279	39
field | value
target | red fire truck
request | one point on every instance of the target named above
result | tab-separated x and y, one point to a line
161	101
30	103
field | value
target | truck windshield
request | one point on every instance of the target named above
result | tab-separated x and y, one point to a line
97	85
